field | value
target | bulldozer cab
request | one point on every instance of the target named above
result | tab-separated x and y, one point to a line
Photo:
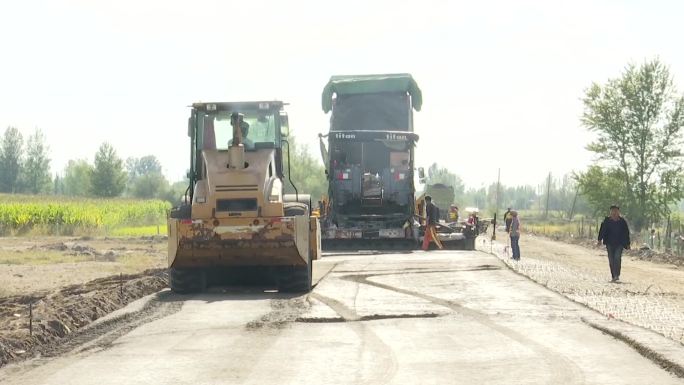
262	126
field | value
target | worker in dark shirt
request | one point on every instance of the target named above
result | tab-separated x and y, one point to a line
508	219
431	219
614	233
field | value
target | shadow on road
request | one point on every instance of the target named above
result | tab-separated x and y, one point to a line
228	293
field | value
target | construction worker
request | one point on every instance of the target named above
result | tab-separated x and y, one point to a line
431	219
453	213
248	143
473	221
508	219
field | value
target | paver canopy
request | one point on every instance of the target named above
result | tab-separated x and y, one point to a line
370	84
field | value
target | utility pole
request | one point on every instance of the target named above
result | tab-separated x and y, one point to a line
498	187
572	210
548	195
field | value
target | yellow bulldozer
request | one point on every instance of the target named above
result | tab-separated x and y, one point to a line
235	219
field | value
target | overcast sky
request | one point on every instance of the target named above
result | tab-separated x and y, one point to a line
501	80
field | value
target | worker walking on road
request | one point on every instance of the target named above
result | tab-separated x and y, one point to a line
514	232
614	233
431	218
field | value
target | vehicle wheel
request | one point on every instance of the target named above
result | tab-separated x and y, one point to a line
187	281
469	244
295	209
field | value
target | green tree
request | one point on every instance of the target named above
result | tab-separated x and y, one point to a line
475	198
491	203
307	172
11	160
58	185
145	178
518	197
638	119
602	188
108	178
36	177
149	186
565	197
175	192
76	180
437	174
143	166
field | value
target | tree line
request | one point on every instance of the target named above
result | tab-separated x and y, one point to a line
25	169
637	120
556	196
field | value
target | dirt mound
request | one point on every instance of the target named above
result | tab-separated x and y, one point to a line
70	248
31	322
59	246
78	249
646	254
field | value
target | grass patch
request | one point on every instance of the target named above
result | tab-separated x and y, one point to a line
138	231
552	228
133	260
577	229
139	262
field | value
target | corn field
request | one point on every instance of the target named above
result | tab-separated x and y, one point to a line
50	215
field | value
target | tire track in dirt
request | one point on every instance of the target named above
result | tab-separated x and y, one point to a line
386	358
370	342
101	336
561	368
63	314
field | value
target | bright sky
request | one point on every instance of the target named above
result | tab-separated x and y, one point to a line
501	80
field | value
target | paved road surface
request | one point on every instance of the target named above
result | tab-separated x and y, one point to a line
417	318
650	295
